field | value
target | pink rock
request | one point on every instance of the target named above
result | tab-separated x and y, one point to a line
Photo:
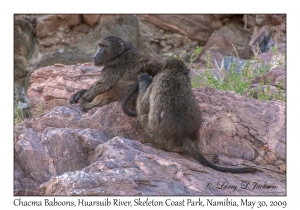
49	24
60	82
197	27
54	151
91	20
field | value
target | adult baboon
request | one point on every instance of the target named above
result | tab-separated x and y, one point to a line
133	90
169	113
122	65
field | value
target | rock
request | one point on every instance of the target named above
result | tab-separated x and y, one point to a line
54	85
55	152
91	20
262	19
277	61
126	167
70	20
125	26
275	77
228	40
231	119
66	151
24	45
23	184
50	41
21	102
81	28
249	22
23	38
263	39
230	63
69	39
278	19
196	27
157	42
47	25
268	57
271	85
277	23
266	92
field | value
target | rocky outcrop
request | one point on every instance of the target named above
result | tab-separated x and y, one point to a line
272	84
68	152
65	151
70	39
196	27
228	40
53	85
24	45
62	150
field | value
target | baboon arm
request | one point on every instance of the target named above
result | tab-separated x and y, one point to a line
154	66
108	79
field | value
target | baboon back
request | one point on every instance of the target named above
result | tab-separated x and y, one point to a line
169	113
174	111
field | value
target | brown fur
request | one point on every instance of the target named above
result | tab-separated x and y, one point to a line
122	65
170	114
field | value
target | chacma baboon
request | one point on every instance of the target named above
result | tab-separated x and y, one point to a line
170	114
122	65
133	90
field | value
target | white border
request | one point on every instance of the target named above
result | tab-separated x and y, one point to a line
153	6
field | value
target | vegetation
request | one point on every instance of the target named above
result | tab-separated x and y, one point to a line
238	82
17	116
40	109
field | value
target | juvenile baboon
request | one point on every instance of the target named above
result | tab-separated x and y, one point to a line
170	114
122	65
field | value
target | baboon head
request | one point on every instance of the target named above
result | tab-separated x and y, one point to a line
176	65
109	48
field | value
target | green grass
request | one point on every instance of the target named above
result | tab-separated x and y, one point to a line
237	82
40	109
18	116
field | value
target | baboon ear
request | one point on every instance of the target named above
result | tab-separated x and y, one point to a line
166	63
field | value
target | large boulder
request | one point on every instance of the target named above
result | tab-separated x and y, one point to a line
24	46
53	85
48	25
196	27
66	151
231	39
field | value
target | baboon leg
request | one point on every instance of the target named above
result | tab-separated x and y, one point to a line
75	98
143	120
109	79
160	143
100	100
144	94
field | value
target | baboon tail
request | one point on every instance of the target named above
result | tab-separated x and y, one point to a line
134	89
198	156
